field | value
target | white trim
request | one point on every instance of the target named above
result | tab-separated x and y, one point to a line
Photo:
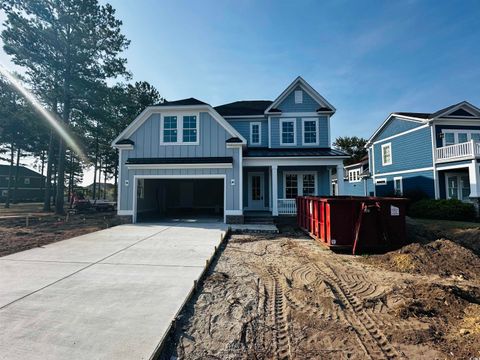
124	146
302	114
328	130
384	123
274	190
434	155
235	145
245	117
299	181
401	184
389	146
249	190
459	122
317	132
292	161
465	104
181	166
240	175
125	212
220	176
179	116
233	212
294	121
252	124
119	180
401	134
455	133
269	132
145	114
404	171
440	167
307	88
459	187
357	171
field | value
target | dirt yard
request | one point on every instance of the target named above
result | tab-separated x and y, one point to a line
43	228
287	297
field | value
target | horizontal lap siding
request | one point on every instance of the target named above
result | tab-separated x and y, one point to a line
212	144
308	104
412	182
396	126
409	151
358	188
323	133
243	127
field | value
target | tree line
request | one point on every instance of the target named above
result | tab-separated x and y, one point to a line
70	53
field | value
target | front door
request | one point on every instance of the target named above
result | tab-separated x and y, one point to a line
256	191
458	186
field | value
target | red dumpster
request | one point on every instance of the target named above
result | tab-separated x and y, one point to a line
357	223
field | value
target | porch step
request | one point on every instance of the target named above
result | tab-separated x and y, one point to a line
252	219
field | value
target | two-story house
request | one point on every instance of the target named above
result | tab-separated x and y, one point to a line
435	153
186	156
30	185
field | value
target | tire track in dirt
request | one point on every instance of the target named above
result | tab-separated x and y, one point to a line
278	309
373	340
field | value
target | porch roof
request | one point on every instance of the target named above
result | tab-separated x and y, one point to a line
184	160
303	152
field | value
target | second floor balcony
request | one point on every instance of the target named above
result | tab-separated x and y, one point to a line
462	151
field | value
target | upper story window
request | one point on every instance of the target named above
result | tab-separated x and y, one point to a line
451	137
298	96
287	132
255	131
310	131
354	175
387	154
179	129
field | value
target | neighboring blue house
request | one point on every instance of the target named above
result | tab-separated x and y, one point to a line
243	157
434	153
357	180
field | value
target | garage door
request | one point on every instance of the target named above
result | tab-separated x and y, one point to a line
180	198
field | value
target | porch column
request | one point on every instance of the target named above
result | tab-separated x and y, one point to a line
274	190
340	179
474	177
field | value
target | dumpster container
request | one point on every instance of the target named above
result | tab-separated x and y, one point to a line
356	223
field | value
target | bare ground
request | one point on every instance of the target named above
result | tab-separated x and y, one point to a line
286	297
43	228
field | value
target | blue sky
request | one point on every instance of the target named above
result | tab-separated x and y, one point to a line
368	58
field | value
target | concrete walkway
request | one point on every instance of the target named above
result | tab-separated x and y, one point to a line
107	295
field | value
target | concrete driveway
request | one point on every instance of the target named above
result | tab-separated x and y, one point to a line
106	295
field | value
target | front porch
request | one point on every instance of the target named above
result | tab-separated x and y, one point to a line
463	151
459	181
273	189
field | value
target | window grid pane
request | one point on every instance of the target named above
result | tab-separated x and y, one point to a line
310	132
170	129
255	134
291	186
308	185
189	129
386	154
288	135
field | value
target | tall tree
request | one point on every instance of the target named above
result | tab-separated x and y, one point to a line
74	43
353	146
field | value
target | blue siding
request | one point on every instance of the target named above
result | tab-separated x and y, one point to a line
358	188
324	140
439	128
417	181
308	104
409	151
395	126
243	127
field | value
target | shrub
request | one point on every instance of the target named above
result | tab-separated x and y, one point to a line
415	195
442	210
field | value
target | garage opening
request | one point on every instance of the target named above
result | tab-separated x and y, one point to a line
183	199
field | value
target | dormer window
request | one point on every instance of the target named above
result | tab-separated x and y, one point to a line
298	96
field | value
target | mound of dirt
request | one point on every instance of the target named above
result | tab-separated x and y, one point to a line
441	257
452	312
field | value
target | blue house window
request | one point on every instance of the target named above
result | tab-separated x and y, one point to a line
287	130
170	129
255	133
310	131
190	129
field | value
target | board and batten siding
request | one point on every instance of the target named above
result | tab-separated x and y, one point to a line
396	126
323	133
243	127
212	137
308	104
409	151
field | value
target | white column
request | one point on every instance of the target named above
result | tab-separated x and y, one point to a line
270	182
340	179
275	190
474	177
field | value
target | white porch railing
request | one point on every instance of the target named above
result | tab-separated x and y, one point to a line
467	150
287	207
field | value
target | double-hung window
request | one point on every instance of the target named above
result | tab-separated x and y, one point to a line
354	175
287	131
189	129
387	154
310	131
291	186
299	184
255	130
179	129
